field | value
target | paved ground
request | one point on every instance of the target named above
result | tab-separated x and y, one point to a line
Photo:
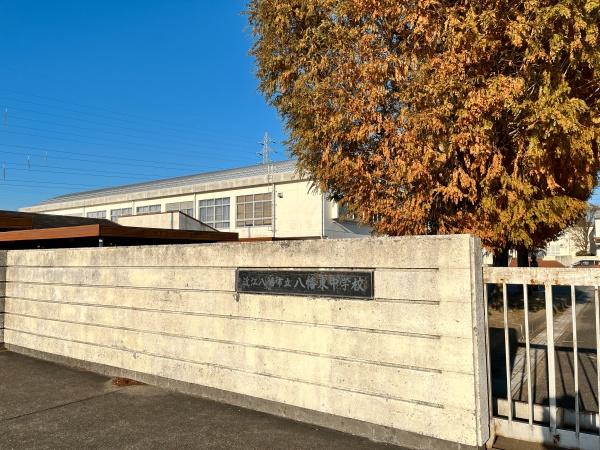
48	406
563	346
512	444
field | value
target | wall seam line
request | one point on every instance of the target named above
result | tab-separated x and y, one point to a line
241	318
242	344
249	372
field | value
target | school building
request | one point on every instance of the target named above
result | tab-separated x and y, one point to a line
265	201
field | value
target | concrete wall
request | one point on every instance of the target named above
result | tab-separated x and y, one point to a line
406	367
2	293
173	220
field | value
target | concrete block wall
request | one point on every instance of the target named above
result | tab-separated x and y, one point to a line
2	293
407	367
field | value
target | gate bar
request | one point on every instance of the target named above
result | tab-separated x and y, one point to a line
551	355
527	352
507	352
489	349
597	314
575	360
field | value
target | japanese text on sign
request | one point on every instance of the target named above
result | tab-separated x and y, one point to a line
352	284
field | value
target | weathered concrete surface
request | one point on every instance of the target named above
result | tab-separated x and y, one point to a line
46	405
411	360
3	255
171	220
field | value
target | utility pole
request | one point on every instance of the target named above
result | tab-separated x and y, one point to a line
266	160
266	151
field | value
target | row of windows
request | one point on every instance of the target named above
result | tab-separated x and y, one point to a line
116	213
184	207
120	212
254	210
215	212
97	215
149	209
251	211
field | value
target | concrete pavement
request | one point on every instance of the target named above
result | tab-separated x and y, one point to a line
48	406
563	337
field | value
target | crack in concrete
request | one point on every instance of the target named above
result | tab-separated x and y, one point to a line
62	405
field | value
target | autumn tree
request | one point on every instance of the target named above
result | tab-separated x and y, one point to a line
436	116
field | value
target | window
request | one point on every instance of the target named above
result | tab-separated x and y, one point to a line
97	214
215	212
116	213
149	209
184	207
254	210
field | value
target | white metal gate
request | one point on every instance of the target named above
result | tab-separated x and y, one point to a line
543	346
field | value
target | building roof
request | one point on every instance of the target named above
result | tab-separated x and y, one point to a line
279	167
13	220
109	235
542	263
21	230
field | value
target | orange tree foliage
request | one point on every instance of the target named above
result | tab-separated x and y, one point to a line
440	116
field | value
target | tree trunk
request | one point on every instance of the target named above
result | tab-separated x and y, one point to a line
501	258
522	257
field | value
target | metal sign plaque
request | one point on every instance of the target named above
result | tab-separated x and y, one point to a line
316	283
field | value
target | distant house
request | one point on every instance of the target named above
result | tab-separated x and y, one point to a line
564	246
581	238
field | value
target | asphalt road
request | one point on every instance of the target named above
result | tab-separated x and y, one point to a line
48	406
564	354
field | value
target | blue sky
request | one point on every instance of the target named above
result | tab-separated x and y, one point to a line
100	93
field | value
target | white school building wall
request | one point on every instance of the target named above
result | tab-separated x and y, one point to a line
297	210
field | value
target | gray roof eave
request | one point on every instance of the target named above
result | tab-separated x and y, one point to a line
161	188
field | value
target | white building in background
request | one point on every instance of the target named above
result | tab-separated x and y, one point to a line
258	202
566	248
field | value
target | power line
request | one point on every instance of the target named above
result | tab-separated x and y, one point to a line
47	191
77	172
184	153
145	131
108	158
113	116
17	182
78	111
12	165
188	153
109	130
95	160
